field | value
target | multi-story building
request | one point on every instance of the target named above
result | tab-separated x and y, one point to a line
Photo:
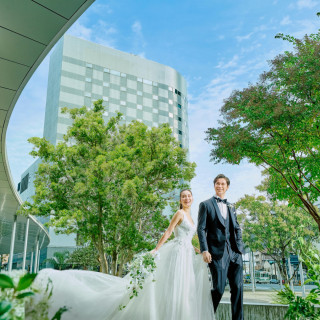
81	72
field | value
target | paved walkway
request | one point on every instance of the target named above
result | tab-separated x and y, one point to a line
259	296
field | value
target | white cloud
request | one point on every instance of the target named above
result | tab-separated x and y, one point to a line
204	113
138	40
301	4
285	21
305	27
80	31
246	37
100	33
137	28
230	64
101	8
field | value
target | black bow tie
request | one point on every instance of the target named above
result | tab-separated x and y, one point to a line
221	200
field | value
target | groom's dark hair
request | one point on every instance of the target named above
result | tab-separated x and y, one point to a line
221	176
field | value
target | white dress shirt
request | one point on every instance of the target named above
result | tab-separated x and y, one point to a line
223	208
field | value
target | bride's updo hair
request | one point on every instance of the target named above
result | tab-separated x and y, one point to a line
181	193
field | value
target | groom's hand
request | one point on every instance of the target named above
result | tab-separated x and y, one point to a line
206	257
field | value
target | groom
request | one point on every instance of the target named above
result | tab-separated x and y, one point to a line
221	246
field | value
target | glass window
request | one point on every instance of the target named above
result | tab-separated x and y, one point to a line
114	79
163	93
147	116
132	84
131	98
115	94
179	105
113	107
147	102
89	65
97	89
147	81
72	83
147	88
163	119
114	72
73	68
131	112
163	106
106	70
97	74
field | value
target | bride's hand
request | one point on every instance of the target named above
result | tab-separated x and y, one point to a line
154	251
197	250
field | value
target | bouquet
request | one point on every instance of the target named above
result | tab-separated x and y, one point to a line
141	267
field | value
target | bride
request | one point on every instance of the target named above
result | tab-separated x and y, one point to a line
181	290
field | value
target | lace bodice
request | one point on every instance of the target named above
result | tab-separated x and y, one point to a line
184	232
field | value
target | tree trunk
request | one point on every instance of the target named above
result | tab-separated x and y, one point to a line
120	271
283	270
102	255
102	260
114	263
311	208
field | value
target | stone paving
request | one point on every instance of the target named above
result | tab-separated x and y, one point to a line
259	296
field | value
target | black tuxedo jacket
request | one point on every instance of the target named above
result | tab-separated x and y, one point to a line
211	229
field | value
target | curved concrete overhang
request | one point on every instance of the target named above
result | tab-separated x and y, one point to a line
28	31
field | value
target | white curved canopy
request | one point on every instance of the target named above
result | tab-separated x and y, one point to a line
28	31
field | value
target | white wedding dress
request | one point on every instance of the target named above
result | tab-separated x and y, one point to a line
181	290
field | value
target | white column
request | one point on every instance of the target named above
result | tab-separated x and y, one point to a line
13	238
253	280
25	245
302	279
36	257
38	261
31	262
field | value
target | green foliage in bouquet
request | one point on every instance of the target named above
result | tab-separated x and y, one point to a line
142	266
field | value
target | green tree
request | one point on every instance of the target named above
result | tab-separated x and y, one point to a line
275	124
304	307
87	257
109	183
271	227
59	260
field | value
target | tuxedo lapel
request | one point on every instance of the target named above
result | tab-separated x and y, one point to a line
215	205
231	214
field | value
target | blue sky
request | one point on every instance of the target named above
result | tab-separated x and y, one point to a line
218	46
